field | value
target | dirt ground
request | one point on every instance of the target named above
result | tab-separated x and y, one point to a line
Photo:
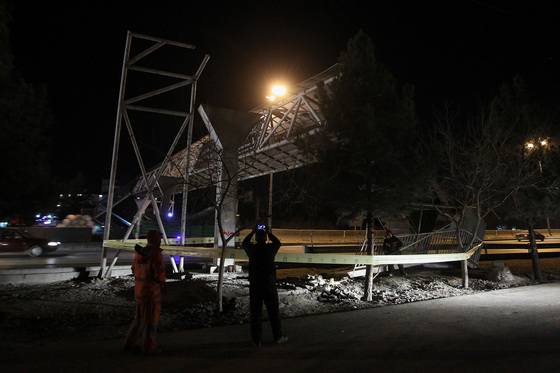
101	309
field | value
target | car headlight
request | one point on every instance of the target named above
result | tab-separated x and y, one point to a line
52	243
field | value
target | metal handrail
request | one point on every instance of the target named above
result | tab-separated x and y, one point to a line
438	242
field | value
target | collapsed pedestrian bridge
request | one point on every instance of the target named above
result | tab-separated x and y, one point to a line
252	144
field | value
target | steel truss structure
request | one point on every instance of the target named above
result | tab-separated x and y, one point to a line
269	148
148	47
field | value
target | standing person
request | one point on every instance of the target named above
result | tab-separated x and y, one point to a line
391	246
262	282
149	288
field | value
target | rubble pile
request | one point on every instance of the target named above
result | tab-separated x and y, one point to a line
102	309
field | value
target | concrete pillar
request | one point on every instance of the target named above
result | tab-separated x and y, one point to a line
228	128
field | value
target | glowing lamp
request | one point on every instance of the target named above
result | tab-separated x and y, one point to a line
278	90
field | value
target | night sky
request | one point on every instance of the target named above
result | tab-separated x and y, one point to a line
458	52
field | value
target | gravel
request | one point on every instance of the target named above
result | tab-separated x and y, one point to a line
102	309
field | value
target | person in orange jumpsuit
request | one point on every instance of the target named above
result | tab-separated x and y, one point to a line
149	288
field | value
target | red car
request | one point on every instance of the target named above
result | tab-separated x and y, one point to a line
525	236
17	240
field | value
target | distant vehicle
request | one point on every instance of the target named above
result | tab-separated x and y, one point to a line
525	236
17	240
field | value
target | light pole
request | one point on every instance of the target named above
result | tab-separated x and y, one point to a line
531	146
277	91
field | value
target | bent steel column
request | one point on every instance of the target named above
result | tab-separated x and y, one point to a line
146	46
116	141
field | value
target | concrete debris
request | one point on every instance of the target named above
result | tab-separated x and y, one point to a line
103	309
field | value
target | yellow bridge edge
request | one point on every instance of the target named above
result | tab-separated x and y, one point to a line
285	257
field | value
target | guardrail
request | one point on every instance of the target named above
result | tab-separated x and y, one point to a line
311	236
320	237
491	235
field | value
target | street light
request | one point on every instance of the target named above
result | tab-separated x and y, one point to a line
277	91
531	146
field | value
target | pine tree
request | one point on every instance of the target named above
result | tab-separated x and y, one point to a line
25	185
368	147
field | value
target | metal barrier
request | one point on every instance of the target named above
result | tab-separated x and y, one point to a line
439	242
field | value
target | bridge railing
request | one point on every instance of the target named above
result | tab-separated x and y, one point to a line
438	242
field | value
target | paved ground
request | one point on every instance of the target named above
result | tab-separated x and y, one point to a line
513	330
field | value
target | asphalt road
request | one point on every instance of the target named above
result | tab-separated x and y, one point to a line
511	330
60	259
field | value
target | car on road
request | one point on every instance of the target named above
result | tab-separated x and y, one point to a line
18	240
525	236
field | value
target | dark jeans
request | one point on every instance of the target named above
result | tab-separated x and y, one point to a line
267	294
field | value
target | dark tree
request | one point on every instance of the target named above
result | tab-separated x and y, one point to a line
25	185
476	164
537	195
368	148
484	166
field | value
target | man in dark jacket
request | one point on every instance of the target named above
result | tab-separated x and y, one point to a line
391	246
262	282
149	288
